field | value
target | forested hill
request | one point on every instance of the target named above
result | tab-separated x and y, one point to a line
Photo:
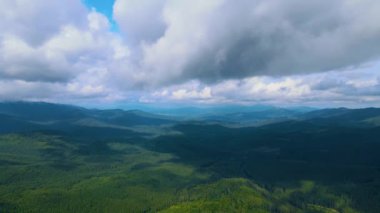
60	158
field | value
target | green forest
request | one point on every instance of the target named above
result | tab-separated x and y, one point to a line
188	166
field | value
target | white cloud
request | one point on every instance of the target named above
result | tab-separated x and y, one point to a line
216	51
141	21
184	94
323	89
61	52
38	20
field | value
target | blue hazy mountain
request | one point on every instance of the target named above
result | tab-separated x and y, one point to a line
34	116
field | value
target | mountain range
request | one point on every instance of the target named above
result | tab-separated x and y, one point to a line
260	159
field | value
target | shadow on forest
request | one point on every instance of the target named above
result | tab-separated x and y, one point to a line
275	156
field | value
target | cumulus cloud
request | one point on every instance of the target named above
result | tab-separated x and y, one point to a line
71	93
70	41
214	51
358	87
57	51
141	21
38	20
220	39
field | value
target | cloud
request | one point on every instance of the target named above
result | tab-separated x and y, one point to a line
223	39
216	51
358	87
141	21
38	20
57	43
248	90
58	51
71	93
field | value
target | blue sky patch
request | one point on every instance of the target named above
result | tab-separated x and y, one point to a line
105	7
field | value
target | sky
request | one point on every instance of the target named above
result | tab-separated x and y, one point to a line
105	7
177	52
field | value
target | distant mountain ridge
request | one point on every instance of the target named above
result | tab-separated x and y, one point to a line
40	115
345	116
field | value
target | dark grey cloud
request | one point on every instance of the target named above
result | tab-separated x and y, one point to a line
292	37
332	84
223	39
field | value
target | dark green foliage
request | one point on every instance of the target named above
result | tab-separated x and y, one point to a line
70	159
